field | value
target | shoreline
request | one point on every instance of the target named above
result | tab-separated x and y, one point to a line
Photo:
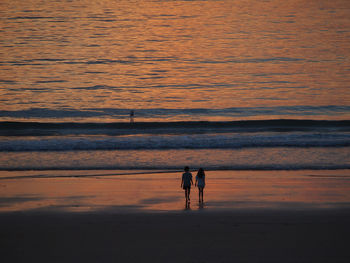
113	171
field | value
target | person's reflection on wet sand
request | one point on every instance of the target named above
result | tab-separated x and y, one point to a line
201	206
187	206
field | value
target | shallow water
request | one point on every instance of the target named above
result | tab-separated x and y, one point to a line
236	159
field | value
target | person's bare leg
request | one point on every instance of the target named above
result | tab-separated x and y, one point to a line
201	194
189	192
186	194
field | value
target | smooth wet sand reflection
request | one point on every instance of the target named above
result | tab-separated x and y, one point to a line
225	190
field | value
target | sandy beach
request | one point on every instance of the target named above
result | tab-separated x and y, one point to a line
108	216
269	236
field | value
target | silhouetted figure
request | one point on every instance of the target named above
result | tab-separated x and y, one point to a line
132	114
200	182
186	183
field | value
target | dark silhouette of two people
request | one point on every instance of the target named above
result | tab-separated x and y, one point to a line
187	182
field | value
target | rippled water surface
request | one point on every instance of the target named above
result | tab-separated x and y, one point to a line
174	60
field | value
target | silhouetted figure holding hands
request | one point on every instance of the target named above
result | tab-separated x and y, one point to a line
200	182
186	183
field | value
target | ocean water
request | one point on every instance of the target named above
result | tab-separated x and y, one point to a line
220	84
255	145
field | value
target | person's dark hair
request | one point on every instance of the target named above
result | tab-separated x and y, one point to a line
200	173
187	168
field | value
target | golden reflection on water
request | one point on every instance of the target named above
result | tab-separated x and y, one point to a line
195	54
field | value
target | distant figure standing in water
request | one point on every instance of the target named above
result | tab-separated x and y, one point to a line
186	183
132	114
200	182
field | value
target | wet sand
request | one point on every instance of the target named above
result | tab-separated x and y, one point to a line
281	217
